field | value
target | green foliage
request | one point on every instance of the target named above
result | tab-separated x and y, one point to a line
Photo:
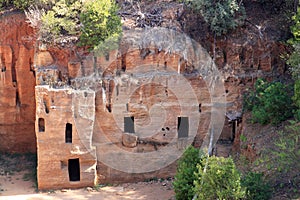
287	150
243	138
294	57
185	176
100	22
269	103
295	28
92	23
218	179
294	61
19	4
23	4
256	187
4	3
296	98
61	21
221	15
282	160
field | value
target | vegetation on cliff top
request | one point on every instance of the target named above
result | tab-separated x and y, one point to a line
220	15
61	22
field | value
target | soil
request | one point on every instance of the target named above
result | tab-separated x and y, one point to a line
143	190
17	182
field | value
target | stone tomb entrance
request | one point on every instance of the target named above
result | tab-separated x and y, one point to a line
183	127
74	169
129	124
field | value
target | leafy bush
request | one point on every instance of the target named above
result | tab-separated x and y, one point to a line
282	159
86	23
294	61
61	21
4	3
23	4
287	150
296	98
100	22
294	57
221	15
256	187
218	179
185	176
19	4
270	102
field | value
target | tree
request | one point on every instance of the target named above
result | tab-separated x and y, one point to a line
61	21
81	22
221	15
100	22
270	102
256	187
19	4
185	175
218	178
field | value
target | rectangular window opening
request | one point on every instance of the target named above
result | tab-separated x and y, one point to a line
3	69
183	127
68	133
74	169
41	123
129	124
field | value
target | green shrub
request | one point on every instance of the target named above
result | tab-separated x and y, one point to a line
296	99
256	187
5	3
23	4
221	15
19	4
294	61
270	102
218	179
60	21
282	159
85	23
185	176
294	58
100	22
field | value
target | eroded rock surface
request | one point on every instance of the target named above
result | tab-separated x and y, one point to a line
17	81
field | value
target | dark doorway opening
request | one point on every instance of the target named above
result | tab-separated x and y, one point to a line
68	133
129	124
183	127
74	169
234	129
41	125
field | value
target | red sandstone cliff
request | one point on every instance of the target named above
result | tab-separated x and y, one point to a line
242	56
17	81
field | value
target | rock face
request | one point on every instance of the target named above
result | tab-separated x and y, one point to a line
17	81
64	127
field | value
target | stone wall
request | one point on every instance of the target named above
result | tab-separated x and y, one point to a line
64	127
